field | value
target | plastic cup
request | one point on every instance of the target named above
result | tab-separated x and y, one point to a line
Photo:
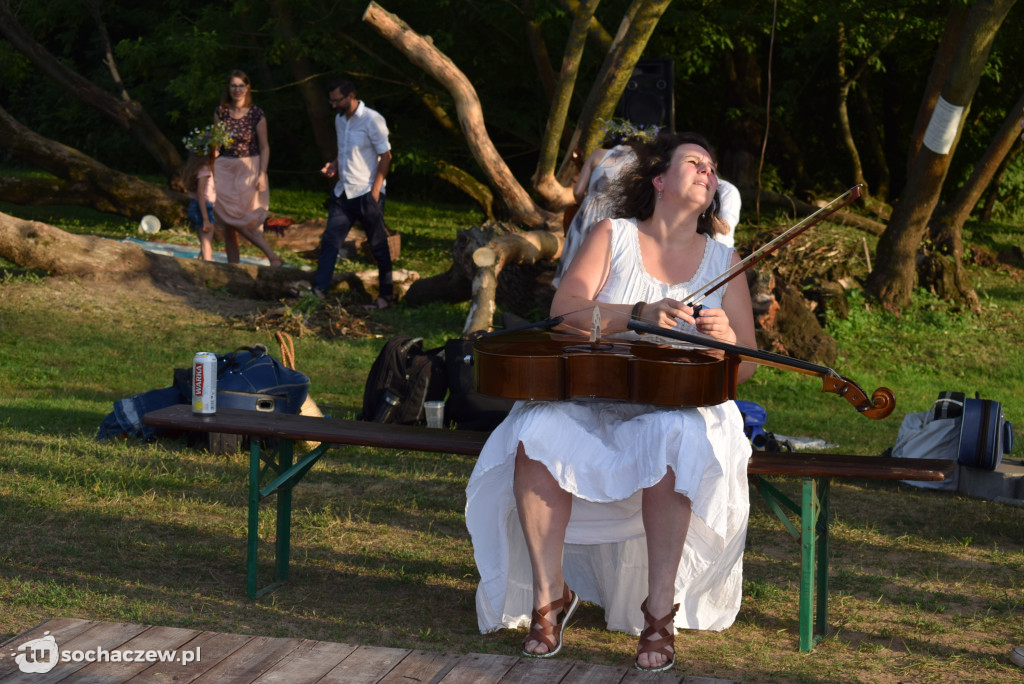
435	413
149	224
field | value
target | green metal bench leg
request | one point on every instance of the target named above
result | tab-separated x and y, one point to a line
824	539
254	519
814	562
284	514
282	549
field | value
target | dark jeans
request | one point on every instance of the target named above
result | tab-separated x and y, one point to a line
342	212
195	217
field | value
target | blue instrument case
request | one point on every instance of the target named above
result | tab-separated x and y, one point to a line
985	434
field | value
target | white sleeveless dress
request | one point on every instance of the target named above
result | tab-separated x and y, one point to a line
604	453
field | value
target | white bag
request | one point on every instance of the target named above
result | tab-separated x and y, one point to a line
922	435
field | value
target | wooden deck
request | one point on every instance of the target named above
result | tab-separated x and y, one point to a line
238	659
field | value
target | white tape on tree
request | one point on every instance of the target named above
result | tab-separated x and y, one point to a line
943	126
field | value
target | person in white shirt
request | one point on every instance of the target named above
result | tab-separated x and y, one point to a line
728	213
364	157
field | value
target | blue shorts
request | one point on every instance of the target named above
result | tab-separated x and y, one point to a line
194	217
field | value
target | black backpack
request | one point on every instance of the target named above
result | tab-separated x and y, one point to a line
403	376
466	407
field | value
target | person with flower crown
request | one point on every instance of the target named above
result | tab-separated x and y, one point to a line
243	194
601	167
197	178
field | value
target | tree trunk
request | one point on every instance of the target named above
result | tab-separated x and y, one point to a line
81	175
956	20
595	31
846	84
313	96
955	214
881	164
947	225
491	263
126	114
55	191
423	54
39	246
465	182
538	48
108	50
556	193
993	190
740	142
456	284
893	278
519	249
843	111
635	31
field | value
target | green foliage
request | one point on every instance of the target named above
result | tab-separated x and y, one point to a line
174	61
1008	207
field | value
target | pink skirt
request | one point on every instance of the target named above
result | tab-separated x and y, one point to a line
239	204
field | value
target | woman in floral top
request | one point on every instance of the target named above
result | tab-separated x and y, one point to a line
240	172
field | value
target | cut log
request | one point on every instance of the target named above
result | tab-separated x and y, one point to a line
35	245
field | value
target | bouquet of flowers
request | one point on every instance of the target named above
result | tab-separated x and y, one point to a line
203	141
623	130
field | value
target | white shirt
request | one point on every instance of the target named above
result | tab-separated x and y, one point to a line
361	140
729	196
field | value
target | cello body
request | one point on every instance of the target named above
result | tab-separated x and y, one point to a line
556	366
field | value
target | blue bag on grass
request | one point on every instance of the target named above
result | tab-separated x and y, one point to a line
247	378
754	417
250	378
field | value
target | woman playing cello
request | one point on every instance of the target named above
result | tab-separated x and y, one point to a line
640	509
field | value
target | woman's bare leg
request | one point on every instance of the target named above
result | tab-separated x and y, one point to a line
666	516
231	244
544	510
255	236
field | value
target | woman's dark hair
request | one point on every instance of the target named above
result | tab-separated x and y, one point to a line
634	191
226	99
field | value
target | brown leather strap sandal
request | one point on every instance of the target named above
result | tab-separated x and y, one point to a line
659	636
549	633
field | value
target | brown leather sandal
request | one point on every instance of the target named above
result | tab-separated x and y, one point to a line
658	637
547	632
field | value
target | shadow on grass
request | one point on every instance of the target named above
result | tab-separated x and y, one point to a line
129	565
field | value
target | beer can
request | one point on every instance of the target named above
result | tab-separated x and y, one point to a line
204	383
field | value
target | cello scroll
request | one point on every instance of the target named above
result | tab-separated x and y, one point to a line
880	405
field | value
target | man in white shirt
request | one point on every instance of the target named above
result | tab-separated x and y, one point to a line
364	156
729	196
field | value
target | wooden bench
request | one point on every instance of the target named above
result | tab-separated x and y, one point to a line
815	470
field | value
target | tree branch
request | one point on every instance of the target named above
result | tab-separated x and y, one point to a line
554	192
423	54
125	114
635	30
112	191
